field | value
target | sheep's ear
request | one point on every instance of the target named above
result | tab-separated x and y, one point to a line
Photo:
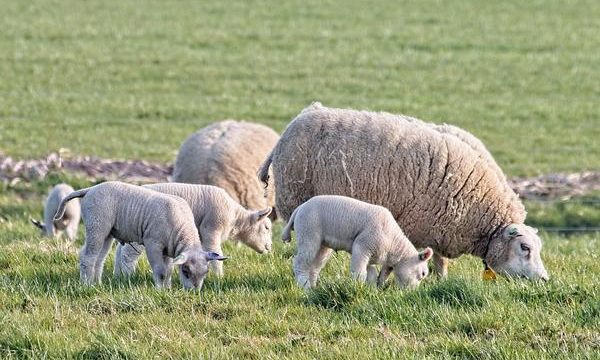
214	256
181	259
37	224
261	214
426	254
511	231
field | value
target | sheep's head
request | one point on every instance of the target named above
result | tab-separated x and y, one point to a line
193	267
257	232
516	252
410	271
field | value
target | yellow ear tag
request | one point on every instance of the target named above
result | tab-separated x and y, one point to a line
488	274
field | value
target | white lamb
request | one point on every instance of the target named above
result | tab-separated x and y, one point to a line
217	217
369	232
69	223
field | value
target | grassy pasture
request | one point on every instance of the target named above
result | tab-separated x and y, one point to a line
256	310
132	79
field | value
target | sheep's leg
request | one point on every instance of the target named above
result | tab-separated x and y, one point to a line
318	264
211	241
71	232
95	237
358	262
99	267
306	253
159	265
440	265
126	258
372	274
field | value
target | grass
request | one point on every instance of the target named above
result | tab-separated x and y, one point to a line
89	76
256	310
132	79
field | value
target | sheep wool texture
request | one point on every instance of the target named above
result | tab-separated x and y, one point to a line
440	183
70	221
227	154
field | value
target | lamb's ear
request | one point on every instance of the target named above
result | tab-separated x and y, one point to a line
511	231
181	259
37	223
261	214
426	254
214	256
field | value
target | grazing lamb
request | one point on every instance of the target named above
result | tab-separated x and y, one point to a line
369	232
442	190
217	217
69	222
226	154
164	224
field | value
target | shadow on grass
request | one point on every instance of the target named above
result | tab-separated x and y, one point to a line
456	293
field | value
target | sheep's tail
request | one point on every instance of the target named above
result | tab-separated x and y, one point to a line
286	235
61	208
263	171
37	223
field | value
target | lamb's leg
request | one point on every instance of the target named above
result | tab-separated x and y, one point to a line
372	274
95	237
359	261
318	264
126	258
71	232
440	265
99	267
159	265
211	241
306	253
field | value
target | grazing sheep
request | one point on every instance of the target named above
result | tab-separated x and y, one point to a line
368	232
217	217
443	192
69	222
164	224
226	154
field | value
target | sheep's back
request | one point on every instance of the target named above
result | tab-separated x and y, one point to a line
227	154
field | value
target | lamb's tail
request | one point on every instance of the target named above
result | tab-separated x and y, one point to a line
263	171
61	208
37	224
286	235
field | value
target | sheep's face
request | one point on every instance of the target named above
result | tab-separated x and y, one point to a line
412	270
193	267
258	234
517	252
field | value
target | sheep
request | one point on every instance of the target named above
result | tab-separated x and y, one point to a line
226	154
369	232
441	189
164	224
70	221
217	217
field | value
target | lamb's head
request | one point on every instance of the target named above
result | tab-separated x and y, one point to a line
193	267
412	269
516	252
256	231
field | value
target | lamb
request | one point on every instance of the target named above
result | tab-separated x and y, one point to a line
217	217
369	232
226	154
70	221
442	191
164	224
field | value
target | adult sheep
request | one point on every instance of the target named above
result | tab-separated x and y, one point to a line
226	154
442	189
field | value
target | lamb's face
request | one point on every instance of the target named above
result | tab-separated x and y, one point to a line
517	253
409	272
193	267
259	235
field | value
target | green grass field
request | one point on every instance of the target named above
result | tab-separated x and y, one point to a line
132	79
257	311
